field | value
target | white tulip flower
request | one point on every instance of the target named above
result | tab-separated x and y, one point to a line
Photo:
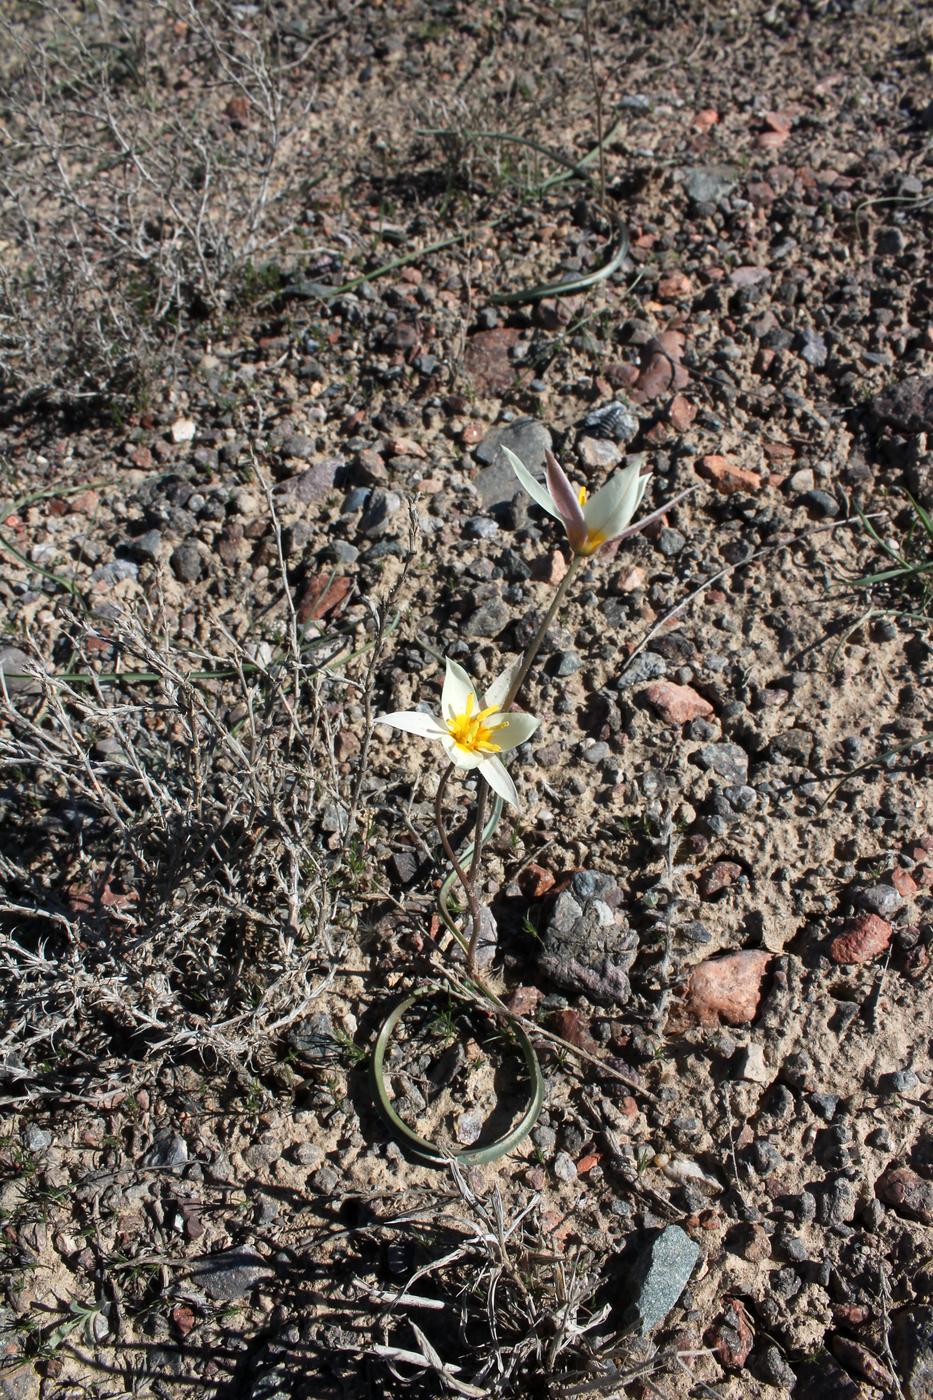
472	730
590	521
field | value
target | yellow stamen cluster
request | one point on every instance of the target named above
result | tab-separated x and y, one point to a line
471	732
581	495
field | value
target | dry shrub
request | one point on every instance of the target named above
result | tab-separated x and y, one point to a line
148	176
167	884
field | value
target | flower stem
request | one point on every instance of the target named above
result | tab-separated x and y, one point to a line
534	645
482	792
465	879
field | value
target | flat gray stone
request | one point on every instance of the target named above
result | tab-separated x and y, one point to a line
661	1275
497	484
709	184
586	945
231	1274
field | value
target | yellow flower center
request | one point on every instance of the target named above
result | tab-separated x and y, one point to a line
582	495
470	731
594	539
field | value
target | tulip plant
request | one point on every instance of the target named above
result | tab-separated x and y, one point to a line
476	730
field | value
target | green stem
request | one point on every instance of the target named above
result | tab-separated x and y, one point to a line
467	881
535	645
482	792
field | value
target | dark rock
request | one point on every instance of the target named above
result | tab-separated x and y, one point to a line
812	348
670	541
660	1276
380	508
796	745
906	406
231	1274
586	947
614	421
646	666
912	1343
728	760
187	564
168	1151
823	502
145	547
489	619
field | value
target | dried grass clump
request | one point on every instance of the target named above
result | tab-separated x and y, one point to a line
148	173
165	885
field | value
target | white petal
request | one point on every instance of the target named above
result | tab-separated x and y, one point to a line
413	722
498	691
494	771
457	690
535	489
614	504
462	758
516	729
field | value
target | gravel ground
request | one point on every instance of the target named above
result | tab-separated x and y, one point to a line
718	883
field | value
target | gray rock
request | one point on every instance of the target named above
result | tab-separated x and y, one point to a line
710	183
565	1168
661	1275
469	1127
728	760
615	421
882	900
315	481
168	1151
146	547
36	1139
646	666
586	946
231	1274
489	619
308	1154
480	527
776	1370
565	663
901	1081
670	541
796	745
488	940
912	1343
380	508
326	1180
186	562
116	572
821	501
334	818
14	664
497	484
812	348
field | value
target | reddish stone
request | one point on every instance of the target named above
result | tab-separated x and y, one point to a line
486	360
904	882
535	881
718	877
706	118
524	1001
472	433
587	1163
727	988
405	447
324	594
677	703
726	476
732	1338
778	451
570	1026
681	413
862	1362
141	457
865	937
907	1193
675	286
